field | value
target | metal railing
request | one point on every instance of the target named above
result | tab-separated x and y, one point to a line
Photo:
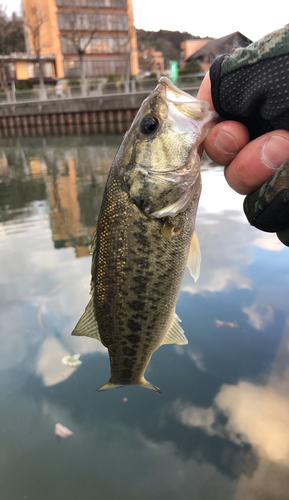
94	89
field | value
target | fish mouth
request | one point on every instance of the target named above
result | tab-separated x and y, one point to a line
169	189
173	93
187	105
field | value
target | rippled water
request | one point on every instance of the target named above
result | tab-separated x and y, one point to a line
220	428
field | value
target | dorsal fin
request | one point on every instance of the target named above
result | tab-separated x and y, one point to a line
194	259
175	334
87	324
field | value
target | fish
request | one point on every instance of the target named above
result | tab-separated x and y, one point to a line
145	234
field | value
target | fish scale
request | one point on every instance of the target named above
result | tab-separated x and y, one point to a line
145	234
131	290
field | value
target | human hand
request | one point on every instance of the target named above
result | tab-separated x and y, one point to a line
248	164
251	87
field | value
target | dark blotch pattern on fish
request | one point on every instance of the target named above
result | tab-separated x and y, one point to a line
133	325
133	339
139	273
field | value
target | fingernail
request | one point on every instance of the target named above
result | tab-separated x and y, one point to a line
275	151
226	143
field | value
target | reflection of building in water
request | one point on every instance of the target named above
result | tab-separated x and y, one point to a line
37	167
4	170
70	177
73	209
65	211
20	188
75	183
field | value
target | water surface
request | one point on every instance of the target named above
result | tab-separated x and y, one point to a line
220	428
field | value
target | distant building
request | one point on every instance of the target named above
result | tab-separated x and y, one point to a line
151	61
206	50
113	48
189	47
22	67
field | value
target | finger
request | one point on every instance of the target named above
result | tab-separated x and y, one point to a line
204	93
258	161
225	141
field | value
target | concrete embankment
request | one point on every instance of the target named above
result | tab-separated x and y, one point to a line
101	114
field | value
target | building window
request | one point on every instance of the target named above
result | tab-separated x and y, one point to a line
85	21
95	67
121	4
99	45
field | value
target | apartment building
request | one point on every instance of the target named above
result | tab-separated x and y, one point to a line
103	29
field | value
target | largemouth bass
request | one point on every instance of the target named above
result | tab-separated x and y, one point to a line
145	234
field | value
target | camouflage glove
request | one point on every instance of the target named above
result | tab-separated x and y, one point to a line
268	207
252	86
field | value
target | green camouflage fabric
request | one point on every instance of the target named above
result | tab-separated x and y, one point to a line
272	45
267	208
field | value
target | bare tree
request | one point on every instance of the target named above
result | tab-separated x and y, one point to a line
5	28
36	21
123	47
146	60
11	40
80	30
130	49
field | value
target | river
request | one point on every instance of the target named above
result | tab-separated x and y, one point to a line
219	429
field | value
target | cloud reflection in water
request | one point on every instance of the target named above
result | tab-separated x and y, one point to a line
219	430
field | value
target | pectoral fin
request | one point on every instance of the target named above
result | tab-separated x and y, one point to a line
175	334
194	259
87	324
169	228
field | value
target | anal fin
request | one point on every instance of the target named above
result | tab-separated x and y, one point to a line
175	334
87	324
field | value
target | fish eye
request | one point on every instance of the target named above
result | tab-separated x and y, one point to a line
149	124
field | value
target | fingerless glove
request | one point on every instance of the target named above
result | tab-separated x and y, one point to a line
252	87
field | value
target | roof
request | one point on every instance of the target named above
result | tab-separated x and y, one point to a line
215	43
195	45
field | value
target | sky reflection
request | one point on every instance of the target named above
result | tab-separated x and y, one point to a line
220	428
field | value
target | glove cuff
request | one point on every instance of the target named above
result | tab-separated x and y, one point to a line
267	208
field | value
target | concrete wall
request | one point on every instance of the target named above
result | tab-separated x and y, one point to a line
104	114
74	105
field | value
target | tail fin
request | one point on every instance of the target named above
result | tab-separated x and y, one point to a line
148	385
143	383
108	385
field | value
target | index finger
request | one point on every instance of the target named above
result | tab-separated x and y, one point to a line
204	93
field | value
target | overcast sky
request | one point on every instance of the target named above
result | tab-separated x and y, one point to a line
216	18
